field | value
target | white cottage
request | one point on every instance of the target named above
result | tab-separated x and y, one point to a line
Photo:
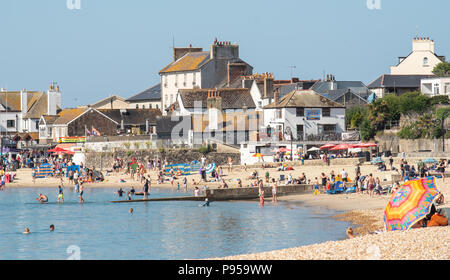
307	114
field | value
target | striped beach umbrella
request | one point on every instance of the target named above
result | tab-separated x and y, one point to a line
410	204
210	168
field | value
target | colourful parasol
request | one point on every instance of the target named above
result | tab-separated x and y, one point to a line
210	168
410	204
342	147
365	145
328	146
258	155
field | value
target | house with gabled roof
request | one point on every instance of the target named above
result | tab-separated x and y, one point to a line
20	111
307	114
111	102
76	122
421	61
194	68
396	84
347	93
147	99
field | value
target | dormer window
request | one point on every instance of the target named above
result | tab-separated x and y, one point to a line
425	61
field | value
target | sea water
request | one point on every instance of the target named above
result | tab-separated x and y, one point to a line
171	230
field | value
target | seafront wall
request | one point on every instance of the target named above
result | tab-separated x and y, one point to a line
414	148
105	160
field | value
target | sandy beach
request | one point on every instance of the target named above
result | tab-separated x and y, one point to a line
365	212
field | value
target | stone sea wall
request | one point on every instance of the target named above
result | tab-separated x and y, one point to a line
105	160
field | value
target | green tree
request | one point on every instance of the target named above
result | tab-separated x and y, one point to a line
355	115
379	114
366	130
442	69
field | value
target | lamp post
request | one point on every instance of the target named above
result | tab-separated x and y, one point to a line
288	131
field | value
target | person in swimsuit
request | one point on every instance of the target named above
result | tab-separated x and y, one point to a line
146	188
81	193
42	198
60	194
274	191
120	192
370	185
206	204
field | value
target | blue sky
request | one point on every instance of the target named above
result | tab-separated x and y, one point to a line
118	47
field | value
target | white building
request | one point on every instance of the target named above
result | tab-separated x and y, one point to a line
421	61
435	86
195	68
20	111
308	115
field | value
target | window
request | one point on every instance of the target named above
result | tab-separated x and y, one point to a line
326	112
11	123
300	132
447	88
37	125
157	107
143	106
149	106
259	104
300	112
278	114
425	61
137	106
436	89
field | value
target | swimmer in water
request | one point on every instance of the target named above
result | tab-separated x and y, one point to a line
131	211
52	228
206	204
81	193
27	231
42	198
120	192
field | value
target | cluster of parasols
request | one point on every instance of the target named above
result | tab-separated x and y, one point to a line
329	147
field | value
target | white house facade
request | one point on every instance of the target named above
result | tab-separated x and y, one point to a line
421	61
435	86
308	115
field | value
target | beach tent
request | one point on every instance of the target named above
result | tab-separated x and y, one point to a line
195	166
73	168
45	170
184	168
314	149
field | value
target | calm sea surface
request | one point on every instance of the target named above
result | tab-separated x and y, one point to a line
156	231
